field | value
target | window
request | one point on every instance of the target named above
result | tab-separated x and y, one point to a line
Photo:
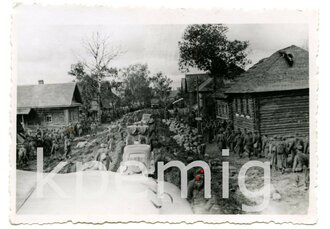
219	108
222	109
73	115
247	107
48	118
235	104
242	106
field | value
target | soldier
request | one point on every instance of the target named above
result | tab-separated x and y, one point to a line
257	144
306	149
103	156
248	144
54	149
79	129
238	143
67	147
201	146
22	155
221	140
302	160
297	162
273	156
196	184
265	146
230	140
281	154
93	128
110	139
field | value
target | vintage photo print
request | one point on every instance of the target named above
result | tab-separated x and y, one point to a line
163	115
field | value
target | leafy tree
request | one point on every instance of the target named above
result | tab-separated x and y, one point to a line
136	85
90	72
87	84
207	47
90	87
161	86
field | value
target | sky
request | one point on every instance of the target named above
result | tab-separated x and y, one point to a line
48	40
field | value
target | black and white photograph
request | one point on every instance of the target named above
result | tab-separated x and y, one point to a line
123	115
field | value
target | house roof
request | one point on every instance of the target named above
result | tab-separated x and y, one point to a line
48	96
173	94
206	86
286	69
106	101
23	110
191	80
220	93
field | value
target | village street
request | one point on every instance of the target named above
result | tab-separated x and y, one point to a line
225	129
287	194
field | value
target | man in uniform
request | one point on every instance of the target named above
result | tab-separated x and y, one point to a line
103	156
281	155
257	144
230	140
220	139
54	148
67	147
248	144
238	143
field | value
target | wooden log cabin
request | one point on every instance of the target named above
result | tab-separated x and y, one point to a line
272	97
48	105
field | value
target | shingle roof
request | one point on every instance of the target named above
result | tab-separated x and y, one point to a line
206	86
48	95
275	73
191	80
220	93
173	94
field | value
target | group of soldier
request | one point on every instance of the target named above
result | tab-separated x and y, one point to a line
55	142
285	153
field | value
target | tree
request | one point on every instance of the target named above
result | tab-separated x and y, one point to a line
90	88
86	83
207	47
96	67
136	85
161	86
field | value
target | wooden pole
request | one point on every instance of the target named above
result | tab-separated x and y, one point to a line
23	124
198	107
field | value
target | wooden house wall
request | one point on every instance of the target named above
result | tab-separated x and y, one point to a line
60	117
284	113
244	112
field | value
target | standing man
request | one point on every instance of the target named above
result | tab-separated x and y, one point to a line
248	143
281	155
103	156
257	144
220	139
238	143
67	147
79	129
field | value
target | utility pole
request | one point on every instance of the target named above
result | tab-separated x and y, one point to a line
99	100
198	107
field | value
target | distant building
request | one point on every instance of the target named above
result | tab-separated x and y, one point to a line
190	85
272	97
48	105
213	101
155	102
173	95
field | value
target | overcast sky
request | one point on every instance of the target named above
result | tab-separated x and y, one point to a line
48	40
